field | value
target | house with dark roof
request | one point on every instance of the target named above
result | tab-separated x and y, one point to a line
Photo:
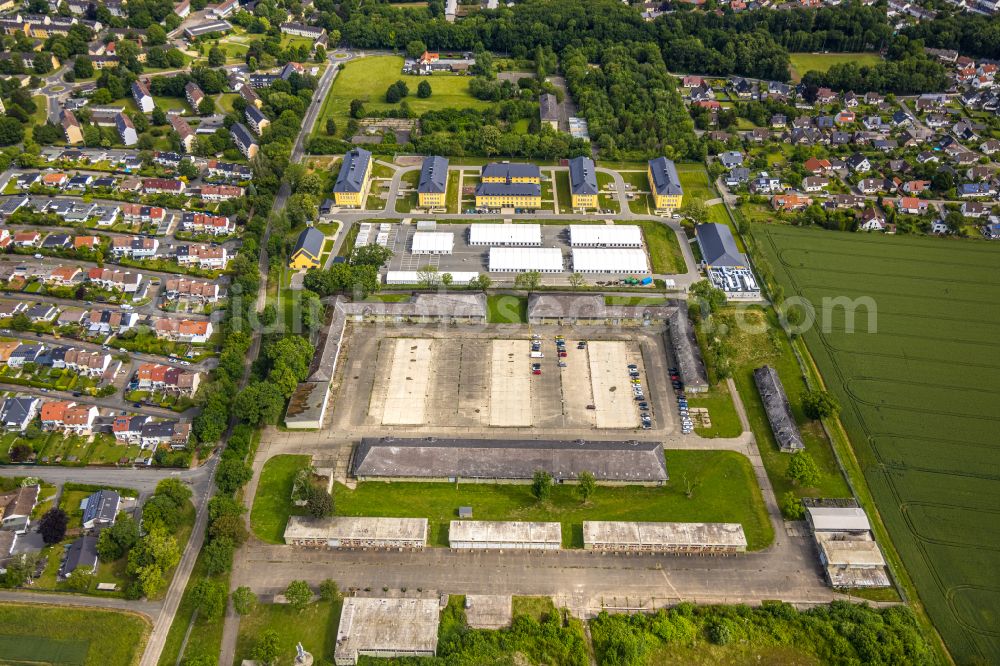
432	188
140	93
258	121
100	509
548	109
353	179
779	411
718	247
126	130
583	183
244	140
18	412
308	248
665	184
81	556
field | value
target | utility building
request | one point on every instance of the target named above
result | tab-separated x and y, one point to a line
506	235
433	242
609	260
432	189
665	184
779	411
664	537
349	532
386	628
847	549
524	259
583	183
504	535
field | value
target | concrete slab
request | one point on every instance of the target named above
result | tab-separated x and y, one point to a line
408	379
510	383
612	388
488	611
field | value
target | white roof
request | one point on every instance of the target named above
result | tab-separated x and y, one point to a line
433	241
504	234
615	260
663	534
603	234
849	518
493	531
547	259
393	625
413	277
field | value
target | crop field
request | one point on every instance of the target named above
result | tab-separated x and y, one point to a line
804	62
919	402
368	78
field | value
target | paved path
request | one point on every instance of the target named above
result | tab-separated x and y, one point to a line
148	608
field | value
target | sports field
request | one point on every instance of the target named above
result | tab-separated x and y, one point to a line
919	402
31	634
368	78
804	62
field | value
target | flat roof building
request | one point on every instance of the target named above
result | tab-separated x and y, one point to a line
207	28
837	519
422	308
591	309
664	537
351	532
504	535
848	553
433	242
515	235
583	183
523	259
609	260
779	411
603	235
414	277
611	462
386	628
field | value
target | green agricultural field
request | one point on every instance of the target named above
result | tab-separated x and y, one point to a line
919	403
33	634
368	78
723	490
820	62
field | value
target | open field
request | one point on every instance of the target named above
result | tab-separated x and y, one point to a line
271	504
724	490
368	78
918	403
315	626
820	62
33	634
694	180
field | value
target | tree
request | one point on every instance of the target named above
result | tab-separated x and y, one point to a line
357	108
396	92
20	568
370	255
329	590
206	106
415	49
266	649
320	503
218	556
791	506
21	452
424	89
216	57
331	127
819	404
115	541
447	279
298	594
175	489
802	469
232	474
483	281
695	211
83	68
244	600
151	556
529	281
53	525
209	598
428	277
707	296
158	117
541	485
161	510
586	485
576	280
229	527
11	132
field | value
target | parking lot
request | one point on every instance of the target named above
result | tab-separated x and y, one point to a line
487	380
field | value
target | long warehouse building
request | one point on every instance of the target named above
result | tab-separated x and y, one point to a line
603	235
413	277
386	628
609	260
433	242
501	235
351	532
524	259
504	535
779	411
664	537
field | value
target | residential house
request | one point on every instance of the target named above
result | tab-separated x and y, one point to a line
126	130
100	509
64	276
975	209
87	363
167	378
115	280
108	322
16	507
308	249
765	184
205	257
858	163
244	140
204	223
71	127
221	192
815	183
68	416
140	93
872	220
163	186
135	247
18	411
790	202
194	94
912	205
183	330
184	131
198	290
80	557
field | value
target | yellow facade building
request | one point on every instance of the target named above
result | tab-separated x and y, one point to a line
354	179
664	184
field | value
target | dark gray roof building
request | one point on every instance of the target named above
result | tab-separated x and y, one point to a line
508	189
665	178
509	460
548	108
311	240
352	171
82	554
687	352
433	176
510	171
718	247
779	412
101	509
582	176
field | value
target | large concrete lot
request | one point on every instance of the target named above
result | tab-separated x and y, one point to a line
455	381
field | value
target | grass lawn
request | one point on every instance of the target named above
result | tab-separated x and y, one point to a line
368	78
820	62
41	113
315	626
724	490
206	635
663	247
718	214
35	634
272	504
634	301
694	180
507	309
563	195
721	412
225	101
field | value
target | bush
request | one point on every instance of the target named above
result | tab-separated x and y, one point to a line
802	469
819	404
